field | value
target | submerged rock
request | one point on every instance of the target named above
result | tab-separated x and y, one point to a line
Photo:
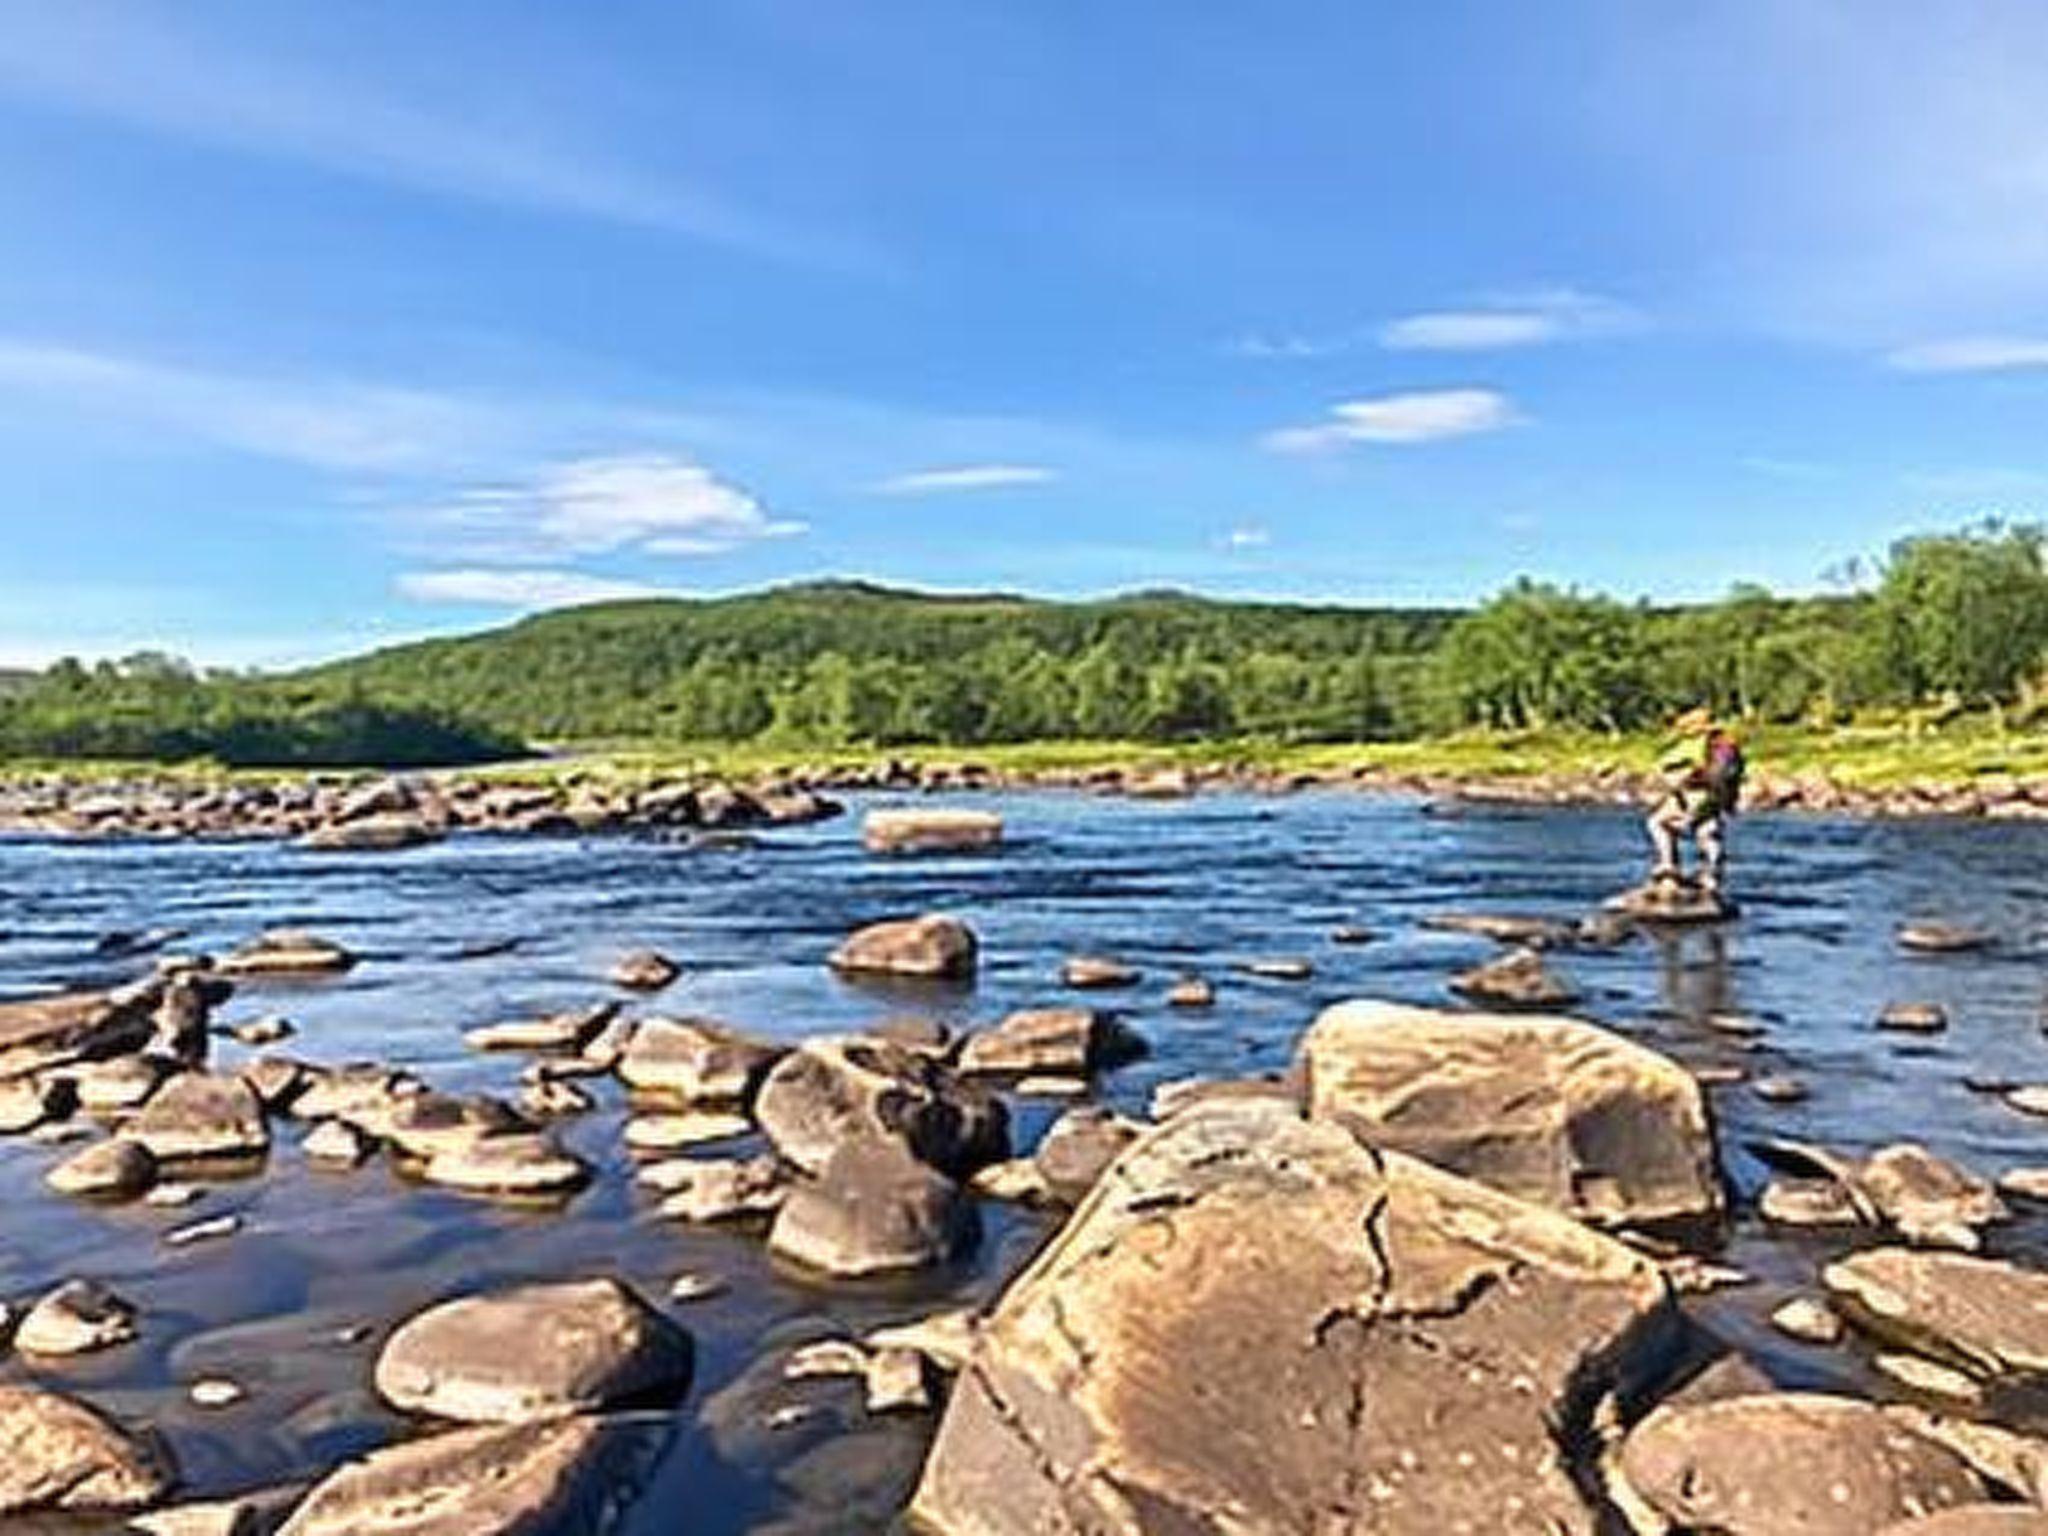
1262	1325
931	947
1549	1109
64	1455
534	1352
1783	1462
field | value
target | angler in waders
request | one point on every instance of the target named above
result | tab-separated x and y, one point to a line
1705	786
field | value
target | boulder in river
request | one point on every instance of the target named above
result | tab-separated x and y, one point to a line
873	1209
1549	1109
1989	1316
930	947
373	834
201	1115
644	970
1262	1325
26	1102
1674	903
118	1082
705	1190
699	1061
534	1352
840	1088
495	1480
1783	1462
44	1032
569	1030
77	1318
288	952
64	1455
930	831
114	1169
514	1164
1520	979
1943	938
1074	1041
1098	973
1913	1018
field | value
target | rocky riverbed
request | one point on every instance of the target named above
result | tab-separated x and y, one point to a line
1114	1167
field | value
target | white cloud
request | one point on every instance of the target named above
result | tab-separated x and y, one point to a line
1247	536
519	589
1289	347
1418	416
1972	354
1510	320
659	503
964	477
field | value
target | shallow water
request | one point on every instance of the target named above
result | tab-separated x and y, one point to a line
1200	884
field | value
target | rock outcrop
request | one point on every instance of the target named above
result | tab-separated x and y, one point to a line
1549	1109
1988	1316
64	1455
1255	1323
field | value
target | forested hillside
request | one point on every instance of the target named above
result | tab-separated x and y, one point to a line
1944	623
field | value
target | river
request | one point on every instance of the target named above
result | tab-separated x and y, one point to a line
1202	884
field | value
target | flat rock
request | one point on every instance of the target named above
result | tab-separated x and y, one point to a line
1807	1320
873	1209
65	1455
518	1164
1077	1148
27	1102
1929	1378
117	1083
497	1480
569	1030
1780	1088
358	1090
839	1088
1035	1041
1783	1462
1191	992
1261	1324
77	1318
338	1144
699	1061
1913	1018
1518	980
1795	1202
201	1115
287	952
1939	938
690	1128
2025	1183
45	1032
115	1169
1279	968
929	947
1679	903
725	1189
1928	1199
1985	1315
1549	1109
644	970
1091	973
1511	928
935	830
373	834
534	1352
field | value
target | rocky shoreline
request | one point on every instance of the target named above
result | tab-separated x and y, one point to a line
366	812
1442	1274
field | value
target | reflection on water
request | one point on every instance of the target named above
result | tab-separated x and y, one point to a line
477	930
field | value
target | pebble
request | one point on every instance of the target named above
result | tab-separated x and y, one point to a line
1779	1088
174	1195
695	1287
1192	992
1808	1320
827	1357
1095	971
1280	968
1052	1087
203	1231
216	1392
1914	1018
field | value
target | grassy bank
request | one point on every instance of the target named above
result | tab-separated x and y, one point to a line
1870	757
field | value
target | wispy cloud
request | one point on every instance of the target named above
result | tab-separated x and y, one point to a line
117	65
1418	416
1247	536
964	477
1972	354
519	589
1510	320
1288	347
655	503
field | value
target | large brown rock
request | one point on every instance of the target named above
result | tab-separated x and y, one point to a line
841	1088
64	1455
519	1480
1549	1109
930	831
1257	1324
1780	1463
699	1061
533	1352
873	1209
201	1115
1985	1315
931	947
1074	1041
55	1031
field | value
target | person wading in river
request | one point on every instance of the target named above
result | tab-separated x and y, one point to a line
1704	788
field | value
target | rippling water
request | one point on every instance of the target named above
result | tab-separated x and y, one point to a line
1193	885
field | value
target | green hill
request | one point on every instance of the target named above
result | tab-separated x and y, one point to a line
857	661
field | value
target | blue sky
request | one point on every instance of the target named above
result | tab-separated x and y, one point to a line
327	325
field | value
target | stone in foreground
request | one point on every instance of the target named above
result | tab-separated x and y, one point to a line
873	1209
840	1088
930	831
1783	1462
524	1480
1256	1324
534	1352
1985	1315
1548	1109
928	948
63	1455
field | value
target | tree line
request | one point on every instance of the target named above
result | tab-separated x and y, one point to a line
1943	622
